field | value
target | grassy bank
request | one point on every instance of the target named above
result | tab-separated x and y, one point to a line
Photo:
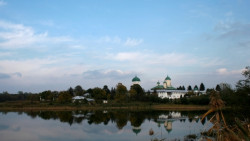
27	105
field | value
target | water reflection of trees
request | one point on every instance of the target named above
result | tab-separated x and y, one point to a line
119	117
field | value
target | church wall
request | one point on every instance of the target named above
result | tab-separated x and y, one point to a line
174	94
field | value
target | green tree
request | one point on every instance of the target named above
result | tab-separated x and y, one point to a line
244	85
106	89
189	88
47	95
5	92
71	91
243	89
139	91
183	88
78	90
121	93
218	87
112	93
50	96
132	94
108	93
90	91
179	88
202	87
183	100
99	94
64	97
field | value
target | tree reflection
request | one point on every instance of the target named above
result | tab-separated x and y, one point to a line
136	119
119	117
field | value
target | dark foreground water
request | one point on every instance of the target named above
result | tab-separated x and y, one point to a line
100	125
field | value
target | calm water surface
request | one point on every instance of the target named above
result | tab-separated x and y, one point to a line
100	125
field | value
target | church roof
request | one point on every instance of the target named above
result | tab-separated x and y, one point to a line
170	88
167	78
136	79
161	87
158	87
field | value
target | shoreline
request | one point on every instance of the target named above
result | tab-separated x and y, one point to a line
106	107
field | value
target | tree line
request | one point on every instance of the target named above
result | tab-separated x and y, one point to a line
120	94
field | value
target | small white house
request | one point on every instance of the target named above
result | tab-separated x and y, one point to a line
105	101
77	98
90	100
82	98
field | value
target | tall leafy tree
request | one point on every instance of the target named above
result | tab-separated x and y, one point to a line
179	88
243	89
112	93
244	85
121	93
64	97
71	91
106	89
139	91
132	94
183	88
90	91
202	87
47	95
99	94
189	88
78	90
218	87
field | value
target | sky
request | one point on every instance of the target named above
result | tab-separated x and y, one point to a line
54	45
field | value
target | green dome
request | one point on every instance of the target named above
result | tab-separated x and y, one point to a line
136	79
136	130
158	83
168	78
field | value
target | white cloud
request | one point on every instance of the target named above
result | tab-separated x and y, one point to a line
133	42
222	71
124	56
117	40
28	67
233	30
150	58
108	39
6	54
104	74
225	71
208	62
2	3
19	36
4	76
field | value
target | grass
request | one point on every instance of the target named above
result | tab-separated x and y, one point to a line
27	105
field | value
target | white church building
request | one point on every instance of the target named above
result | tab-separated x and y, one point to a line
167	90
164	91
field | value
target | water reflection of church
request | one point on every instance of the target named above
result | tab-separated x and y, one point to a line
167	120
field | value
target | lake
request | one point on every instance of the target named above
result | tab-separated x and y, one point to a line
122	125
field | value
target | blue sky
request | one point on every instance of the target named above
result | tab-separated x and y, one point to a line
52	45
